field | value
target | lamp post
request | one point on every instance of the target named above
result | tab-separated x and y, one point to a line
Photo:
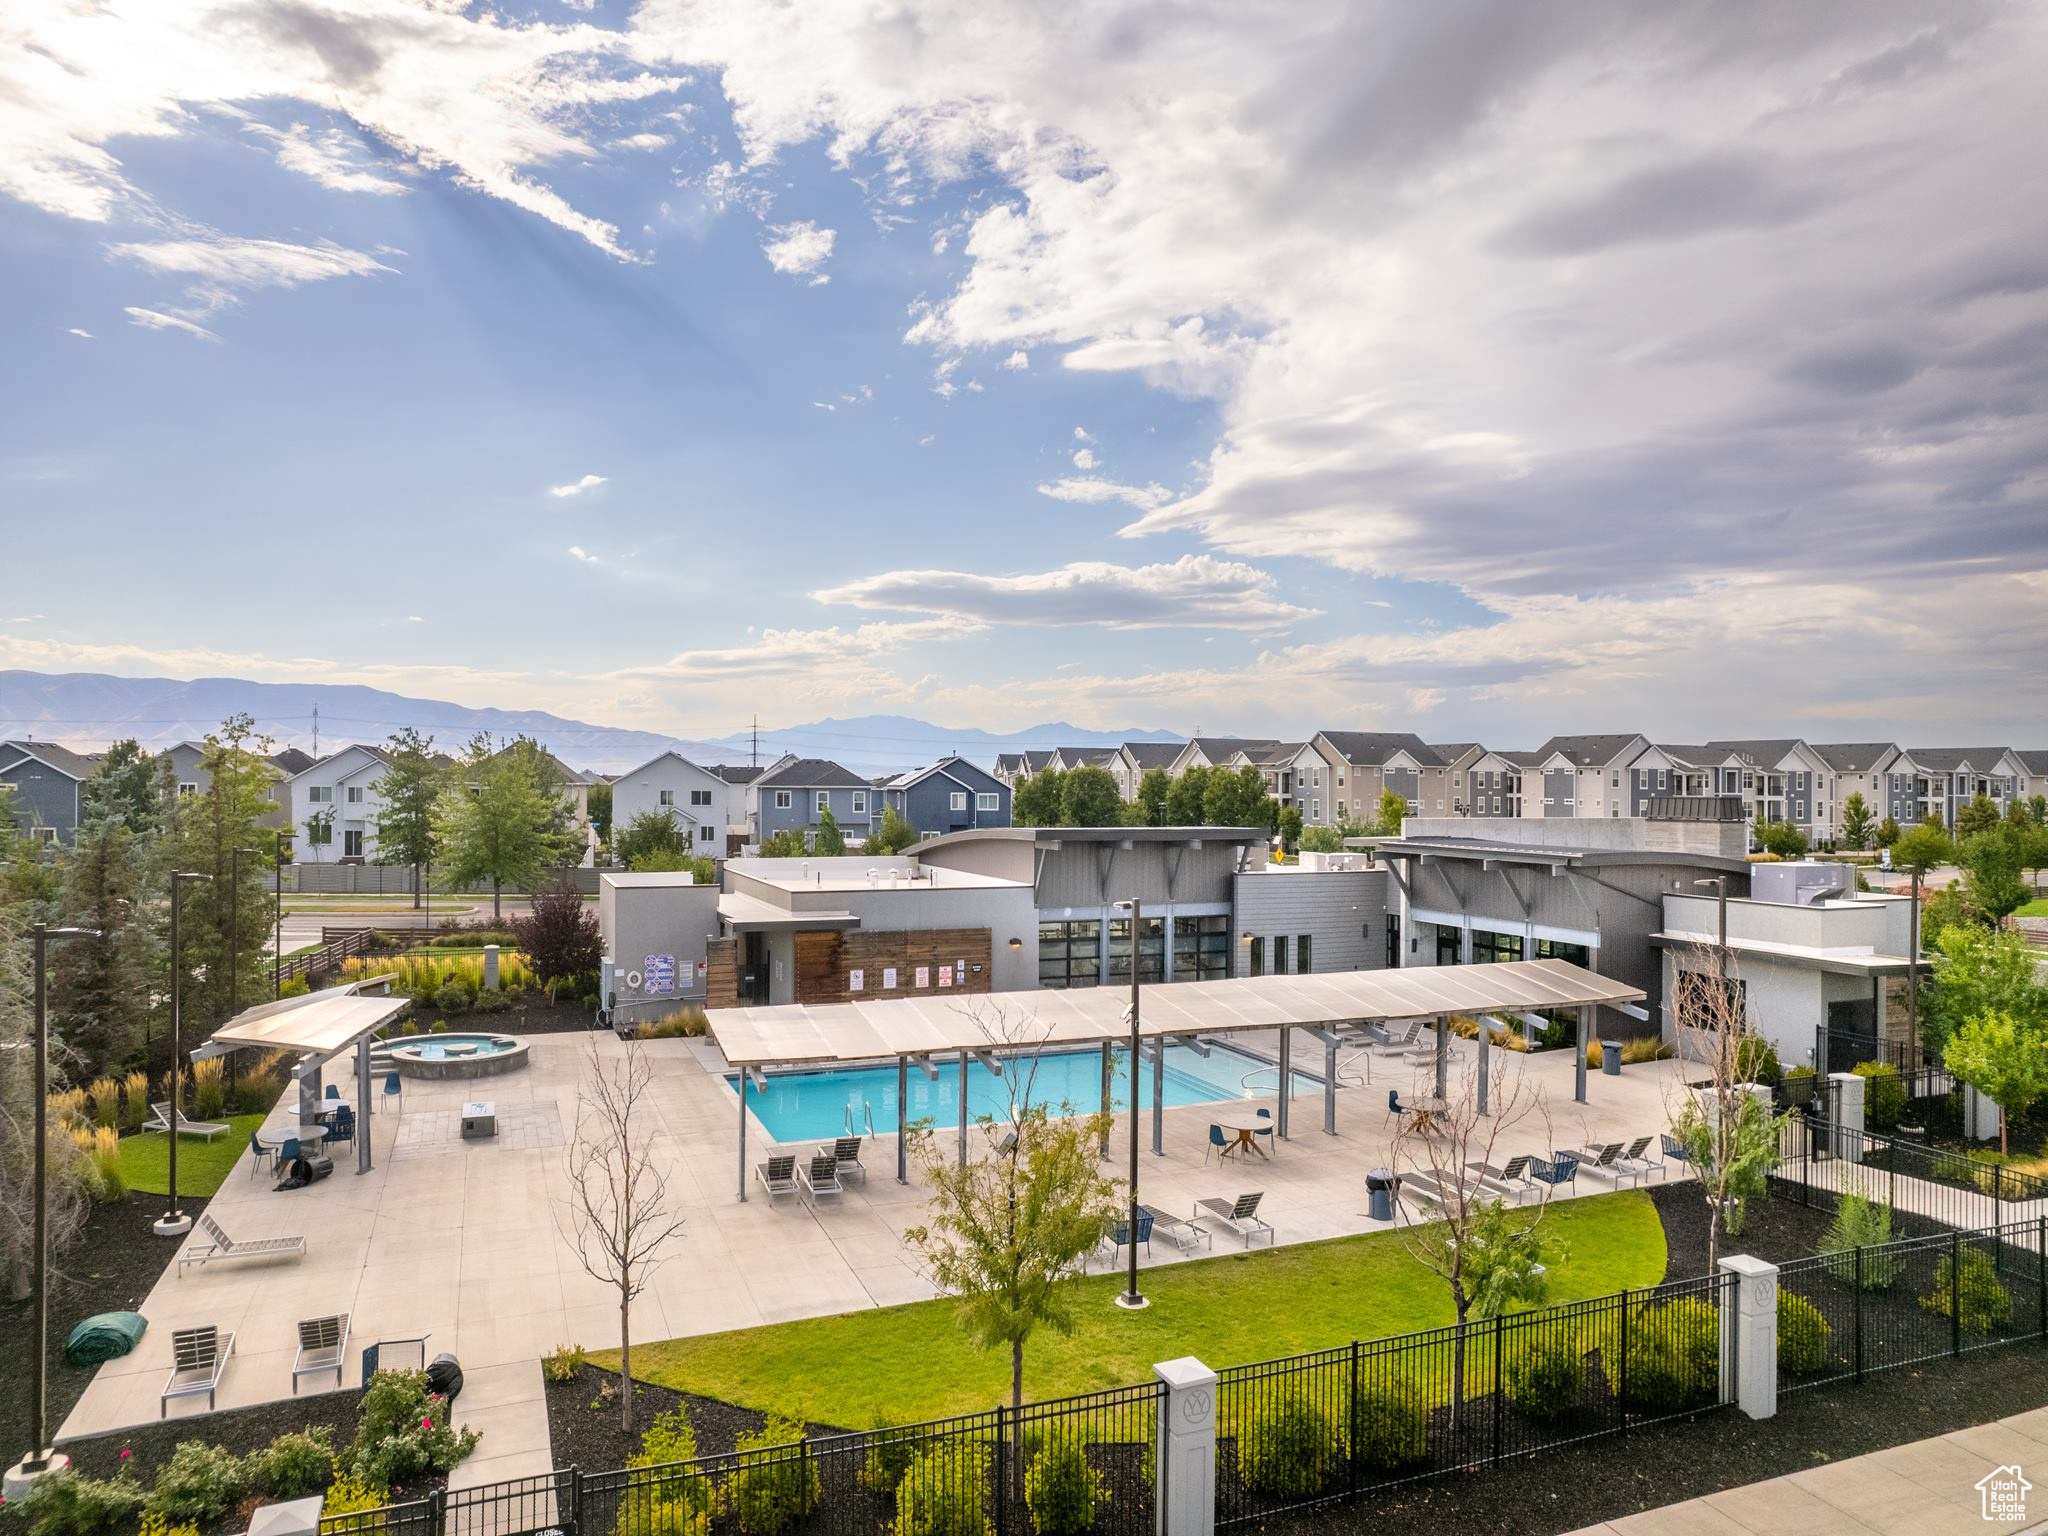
41	1457
176	1223
1131	1300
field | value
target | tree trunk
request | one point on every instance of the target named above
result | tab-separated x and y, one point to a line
415	887
1017	1419
625	1364
1458	1371
497	909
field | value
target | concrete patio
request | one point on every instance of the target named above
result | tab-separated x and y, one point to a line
456	1239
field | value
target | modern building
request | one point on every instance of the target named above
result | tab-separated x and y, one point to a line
44	780
698	801
793	793
950	795
1937	782
1583	776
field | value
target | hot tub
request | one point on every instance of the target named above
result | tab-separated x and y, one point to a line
451	1055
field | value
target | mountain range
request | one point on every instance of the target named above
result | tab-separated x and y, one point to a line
89	709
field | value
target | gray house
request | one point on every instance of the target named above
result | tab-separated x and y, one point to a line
952	795
793	792
45	779
188	772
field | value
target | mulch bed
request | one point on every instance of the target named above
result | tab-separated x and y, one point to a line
583	1420
240	1430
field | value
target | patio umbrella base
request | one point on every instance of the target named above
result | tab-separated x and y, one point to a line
20	1479
172	1224
1132	1303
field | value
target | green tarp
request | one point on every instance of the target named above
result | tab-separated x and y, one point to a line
105	1337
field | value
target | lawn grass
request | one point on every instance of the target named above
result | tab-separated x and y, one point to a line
2035	908
912	1362
202	1165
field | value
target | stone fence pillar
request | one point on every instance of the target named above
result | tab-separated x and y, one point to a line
1749	1337
1185	1501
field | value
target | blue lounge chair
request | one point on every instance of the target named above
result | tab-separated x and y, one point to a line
1560	1170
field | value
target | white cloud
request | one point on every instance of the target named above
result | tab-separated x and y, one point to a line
413	618
824	405
643	142
799	249
577	487
1196	591
1093	488
1083	435
153	320
927	440
223	263
80	332
1084	458
25	618
337	160
578	552
1017	361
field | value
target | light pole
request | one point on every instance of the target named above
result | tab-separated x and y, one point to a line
176	1223
41	1457
1131	1299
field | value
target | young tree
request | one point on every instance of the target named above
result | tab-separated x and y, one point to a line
894	834
1491	1260
131	786
2001	1058
1887	833
503	818
319	829
1977	972
649	836
559	935
2037	810
1004	1231
1782	838
1186	796
827	841
788	843
1857	824
599	801
1153	788
66	1208
1039	801
1089	798
1980	815
1234	797
617	1215
411	789
100	986
226	910
1993	864
1290	828
1393	812
1730	1137
1321	839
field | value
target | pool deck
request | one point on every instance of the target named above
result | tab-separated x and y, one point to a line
459	1239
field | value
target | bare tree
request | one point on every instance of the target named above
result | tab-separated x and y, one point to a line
617	1213
1009	1228
1489	1257
1729	1135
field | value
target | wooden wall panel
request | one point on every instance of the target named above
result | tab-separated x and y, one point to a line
721	973
826	960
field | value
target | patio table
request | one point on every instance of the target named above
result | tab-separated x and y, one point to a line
1247	1126
311	1134
1426	1116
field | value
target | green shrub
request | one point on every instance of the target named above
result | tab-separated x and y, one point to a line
1861	1223
209	1088
669	1439
1884	1095
1804	1337
944	1491
1060	1489
889	1455
106	1102
199	1483
1674	1354
298	986
410	1027
677	1504
1389	1425
454	996
493	1002
72	1504
683	1023
1756	1061
1978	1297
1286	1446
404	1432
778	1485
294	1465
562	1362
349	1494
1546	1378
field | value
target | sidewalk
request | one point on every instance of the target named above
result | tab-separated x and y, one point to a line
1927	1488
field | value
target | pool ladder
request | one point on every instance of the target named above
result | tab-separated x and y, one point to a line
867	1115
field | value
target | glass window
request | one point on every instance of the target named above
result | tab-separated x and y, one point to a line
1393	942
1554	949
1490	948
1258	960
782	800
959	799
1447	946
666	797
1151	951
1280	954
1069	954
1201	948
1302	951
706	833
700	797
824	801
988	802
184	789
860	802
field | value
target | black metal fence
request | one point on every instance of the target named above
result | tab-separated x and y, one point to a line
1069	1464
1922	1075
1844	1316
1818	1163
1316	1428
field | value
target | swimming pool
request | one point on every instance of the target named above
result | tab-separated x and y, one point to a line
808	1106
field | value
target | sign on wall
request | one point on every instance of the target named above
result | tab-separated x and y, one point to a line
924	976
661	975
855	980
888	978
945	975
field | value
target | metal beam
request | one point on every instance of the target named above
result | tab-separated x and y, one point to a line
963	1109
1330	1038
1579	1068
1443	1031
1158	1092
1194	1043
1630	1010
1393	869
744	1075
988	1059
902	1119
1286	1079
1329	1081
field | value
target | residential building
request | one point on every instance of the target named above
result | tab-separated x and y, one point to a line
1013	768
45	780
950	795
1938	782
188	773
2033	773
1134	759
1359	765
792	793
1857	768
1276	764
1067	759
697	800
1459	758
341	791
1785	780
1216	751
1494	783
1583	776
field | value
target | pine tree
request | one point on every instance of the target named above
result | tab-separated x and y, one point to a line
210	827
1857	823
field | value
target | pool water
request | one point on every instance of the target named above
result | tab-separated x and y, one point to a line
465	1045
806	1106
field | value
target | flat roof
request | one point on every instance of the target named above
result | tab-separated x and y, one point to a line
1233	836
795	1033
850	872
1840	960
1543	853
744	911
320	1023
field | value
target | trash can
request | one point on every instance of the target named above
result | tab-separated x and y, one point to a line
1610	1057
1380	1185
444	1375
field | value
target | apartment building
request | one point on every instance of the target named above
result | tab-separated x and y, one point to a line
1937	782
1357	766
1459	757
796	791
1785	780
1135	759
1582	776
1856	768
2033	773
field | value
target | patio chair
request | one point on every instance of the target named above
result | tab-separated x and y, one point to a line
778	1175
1218	1143
288	1152
200	1355
1177	1230
1515	1179
1396	1110
160	1120
259	1154
341	1126
323	1346
1674	1149
1636	1162
1119	1234
1560	1169
821	1177
391	1089
1240	1215
846	1157
219	1246
1267	1116
1603	1158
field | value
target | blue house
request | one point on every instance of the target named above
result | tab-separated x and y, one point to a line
794	792
952	795
44	779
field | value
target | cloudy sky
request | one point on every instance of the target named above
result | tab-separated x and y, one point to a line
1485	370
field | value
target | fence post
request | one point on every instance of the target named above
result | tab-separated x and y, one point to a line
1955	1293
1184	1501
1003	1468
1848	1116
2041	1272
575	1517
437	1511
1621	1371
1351	1428
1499	1396
1859	1312
1749	1336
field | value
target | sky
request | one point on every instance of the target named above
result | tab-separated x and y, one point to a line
1481	370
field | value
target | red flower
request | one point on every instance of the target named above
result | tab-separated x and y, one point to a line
426	1423
124	1453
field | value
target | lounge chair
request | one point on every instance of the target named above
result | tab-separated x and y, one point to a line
1177	1230
1515	1179
1240	1215
160	1120
220	1246
1556	1171
200	1356
846	1157
323	1347
1218	1143
821	1177
778	1175
1603	1158
1636	1163
1393	1042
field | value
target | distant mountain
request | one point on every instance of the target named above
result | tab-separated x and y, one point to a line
90	709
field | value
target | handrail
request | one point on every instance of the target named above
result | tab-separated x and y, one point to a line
319	961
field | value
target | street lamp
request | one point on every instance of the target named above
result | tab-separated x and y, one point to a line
42	1457
1131	1300
176	1223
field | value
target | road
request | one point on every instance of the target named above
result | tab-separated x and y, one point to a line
303	922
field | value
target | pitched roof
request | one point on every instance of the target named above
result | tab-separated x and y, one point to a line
1949	759
1701	756
1152	754
812	773
1009	762
1590	751
1451	751
73	765
1220	749
736	773
1770	750
2036	763
1089	757
1526	759
292	759
1279	755
1367	748
1853	756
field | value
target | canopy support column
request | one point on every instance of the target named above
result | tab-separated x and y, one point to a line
902	1119
1485	1034
1579	1065
743	1136
1286	1081
1158	1098
963	1109
1107	1088
1443	1033
363	1105
1330	1086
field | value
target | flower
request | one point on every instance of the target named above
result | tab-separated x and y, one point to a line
426	1422
124	1453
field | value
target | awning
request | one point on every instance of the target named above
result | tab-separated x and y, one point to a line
1804	957
913	1026
751	912
318	1024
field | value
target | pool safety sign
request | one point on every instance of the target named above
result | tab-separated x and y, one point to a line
661	975
856	979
